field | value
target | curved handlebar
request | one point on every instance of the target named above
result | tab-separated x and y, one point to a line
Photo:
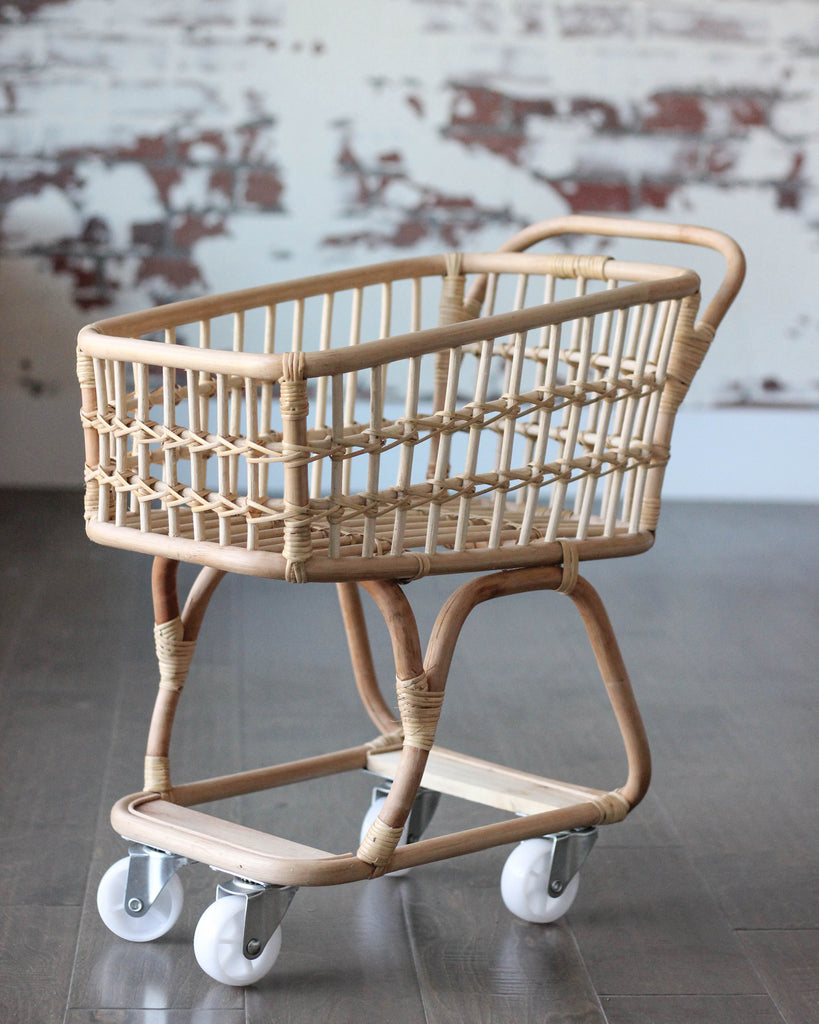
650	230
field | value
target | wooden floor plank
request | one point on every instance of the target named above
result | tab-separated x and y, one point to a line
721	648
729	699
111	973
788	962
647	925
477	963
36	958
690	1009
198	1016
345	957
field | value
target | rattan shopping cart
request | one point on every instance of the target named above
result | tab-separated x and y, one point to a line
506	415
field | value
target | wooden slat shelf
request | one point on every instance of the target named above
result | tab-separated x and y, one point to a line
485	783
233	848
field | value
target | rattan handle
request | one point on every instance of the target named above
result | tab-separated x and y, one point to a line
652	231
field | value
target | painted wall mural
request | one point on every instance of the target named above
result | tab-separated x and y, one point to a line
157	151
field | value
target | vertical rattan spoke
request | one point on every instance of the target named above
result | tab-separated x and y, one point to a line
320	422
507	439
254	492
169	448
442	461
351	379
582	396
404	481
143	442
101	377
650	406
550	339
297	339
336	465
373	459
224	458
539	378
475	433
120	442
266	396
198	460
634	404
597	425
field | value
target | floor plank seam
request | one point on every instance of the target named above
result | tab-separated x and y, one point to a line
101	828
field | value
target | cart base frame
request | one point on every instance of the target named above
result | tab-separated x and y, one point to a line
163	815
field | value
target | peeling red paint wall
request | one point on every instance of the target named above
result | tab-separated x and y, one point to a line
153	152
238	178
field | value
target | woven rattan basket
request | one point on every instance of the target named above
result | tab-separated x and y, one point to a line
437	415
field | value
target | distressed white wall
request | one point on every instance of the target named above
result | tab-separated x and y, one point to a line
155	151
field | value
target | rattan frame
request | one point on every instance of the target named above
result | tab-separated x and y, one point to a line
299	535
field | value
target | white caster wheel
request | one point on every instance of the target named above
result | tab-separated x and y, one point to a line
159	919
217	944
525	883
369	818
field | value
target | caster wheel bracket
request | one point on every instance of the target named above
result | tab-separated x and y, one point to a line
265	908
569	850
149	871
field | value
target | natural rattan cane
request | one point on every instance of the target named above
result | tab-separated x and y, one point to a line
506	414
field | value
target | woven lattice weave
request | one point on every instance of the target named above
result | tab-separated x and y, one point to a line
539	413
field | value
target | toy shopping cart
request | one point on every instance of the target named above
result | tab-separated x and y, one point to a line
507	415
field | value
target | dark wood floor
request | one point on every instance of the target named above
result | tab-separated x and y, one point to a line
702	907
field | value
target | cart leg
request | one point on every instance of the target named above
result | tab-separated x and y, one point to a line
604	644
349	599
420	706
175	636
618	686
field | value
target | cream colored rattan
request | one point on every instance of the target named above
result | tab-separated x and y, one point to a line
561	412
435	415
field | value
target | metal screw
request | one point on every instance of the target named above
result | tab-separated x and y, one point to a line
556	887
253	948
135	905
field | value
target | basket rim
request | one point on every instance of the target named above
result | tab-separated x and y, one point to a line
113	338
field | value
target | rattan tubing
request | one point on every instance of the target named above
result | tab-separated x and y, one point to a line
613	227
176	314
270	368
321	569
173	664
270	535
417	723
163	590
249	853
618	686
485	837
258	780
455	611
198	598
233	848
358	641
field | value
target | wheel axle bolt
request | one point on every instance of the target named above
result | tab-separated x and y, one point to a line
253	947
556	887
135	905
